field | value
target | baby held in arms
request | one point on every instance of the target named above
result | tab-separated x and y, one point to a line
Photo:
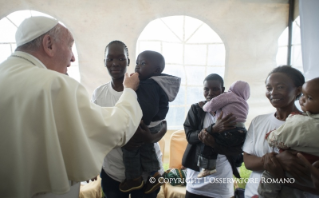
234	101
300	133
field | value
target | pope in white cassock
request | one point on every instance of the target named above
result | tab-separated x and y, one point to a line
52	136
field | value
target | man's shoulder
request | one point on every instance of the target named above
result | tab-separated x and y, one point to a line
102	87
104	95
195	106
46	77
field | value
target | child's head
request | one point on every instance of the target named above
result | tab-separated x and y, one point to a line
309	100
149	63
116	59
241	89
213	86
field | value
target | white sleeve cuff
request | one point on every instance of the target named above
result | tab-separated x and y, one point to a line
131	91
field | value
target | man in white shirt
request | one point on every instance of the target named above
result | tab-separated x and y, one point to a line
107	95
52	136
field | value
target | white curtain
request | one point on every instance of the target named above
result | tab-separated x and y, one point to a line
309	22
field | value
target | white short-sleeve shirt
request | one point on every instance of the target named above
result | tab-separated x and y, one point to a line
255	144
113	165
217	184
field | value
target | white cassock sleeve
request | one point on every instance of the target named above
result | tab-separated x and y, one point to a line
52	133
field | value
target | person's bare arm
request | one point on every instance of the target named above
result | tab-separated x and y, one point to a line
253	162
131	81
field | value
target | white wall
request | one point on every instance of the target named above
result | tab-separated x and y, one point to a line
309	37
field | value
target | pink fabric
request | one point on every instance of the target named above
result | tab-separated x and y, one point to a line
234	101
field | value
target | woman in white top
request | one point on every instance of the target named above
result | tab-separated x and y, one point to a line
283	88
113	170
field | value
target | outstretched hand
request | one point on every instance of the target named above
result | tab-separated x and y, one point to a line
223	124
131	81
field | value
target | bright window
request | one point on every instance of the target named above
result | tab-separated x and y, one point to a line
192	50
296	57
10	24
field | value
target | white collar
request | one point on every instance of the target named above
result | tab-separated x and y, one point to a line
29	58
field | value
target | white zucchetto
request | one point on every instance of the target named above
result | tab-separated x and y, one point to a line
33	27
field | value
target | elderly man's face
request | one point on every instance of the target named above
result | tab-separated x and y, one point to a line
63	54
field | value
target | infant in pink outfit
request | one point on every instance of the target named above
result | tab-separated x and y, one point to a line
234	101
